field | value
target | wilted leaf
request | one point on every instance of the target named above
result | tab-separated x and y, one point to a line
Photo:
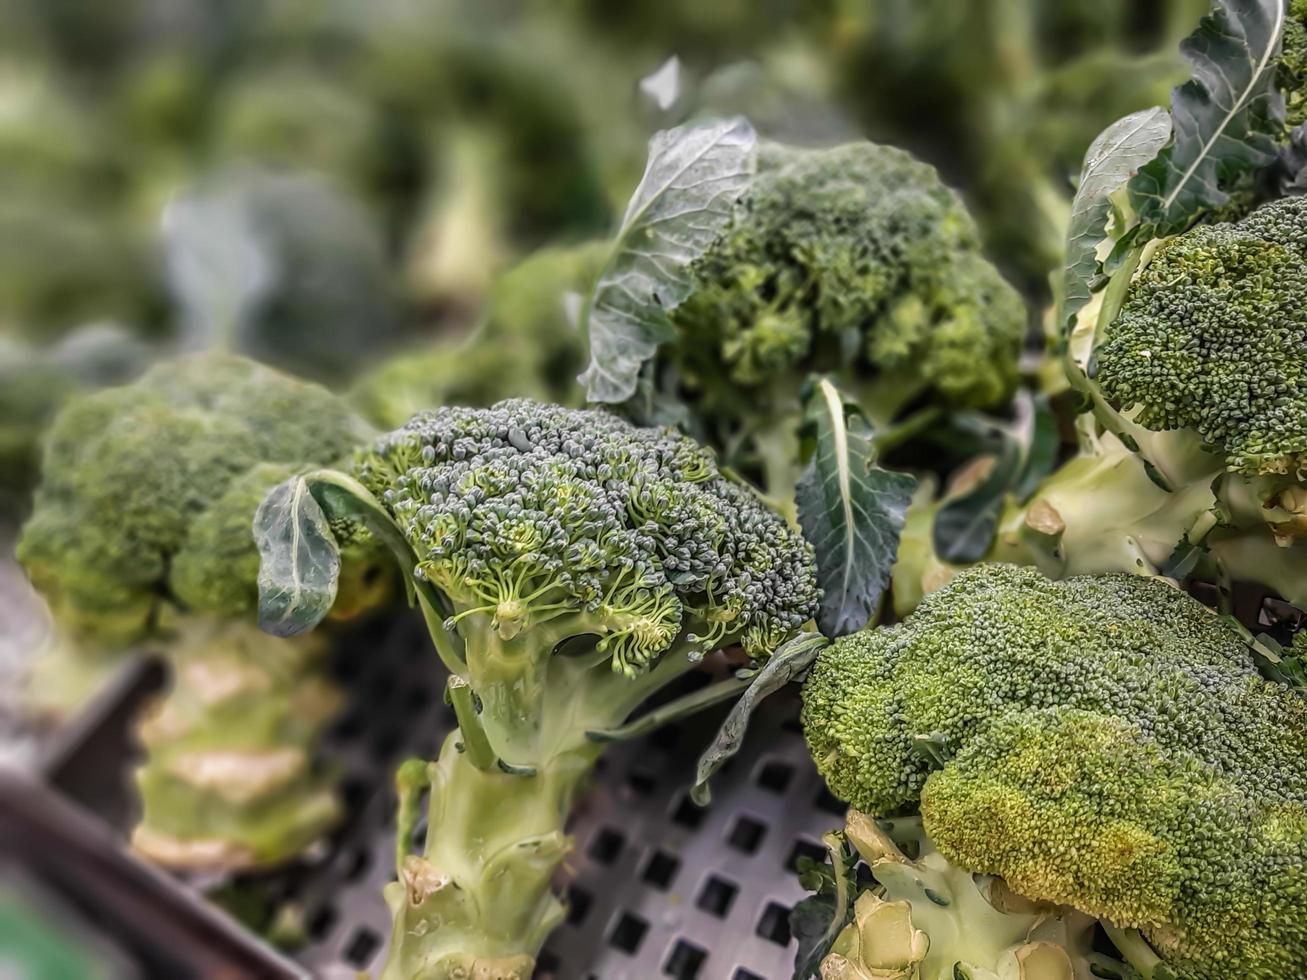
299	559
1226	119
693	178
851	511
1113	158
789	661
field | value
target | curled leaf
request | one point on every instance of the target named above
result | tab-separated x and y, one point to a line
789	661
299	559
694	176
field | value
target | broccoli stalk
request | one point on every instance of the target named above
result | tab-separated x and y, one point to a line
230	781
569	565
927	919
500	793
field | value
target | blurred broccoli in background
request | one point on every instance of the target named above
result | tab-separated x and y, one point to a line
1004	96
68	252
515	156
131	473
141	535
526	344
35	382
283	268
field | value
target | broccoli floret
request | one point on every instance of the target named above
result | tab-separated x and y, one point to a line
855	261
130	473
570	565
1102	742
230	780
1213	337
525	346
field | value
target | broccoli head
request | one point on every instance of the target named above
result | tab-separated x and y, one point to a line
854	261
855	258
1102	742
1213	338
142	488
570	565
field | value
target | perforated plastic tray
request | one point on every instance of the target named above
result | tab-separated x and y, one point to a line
661	887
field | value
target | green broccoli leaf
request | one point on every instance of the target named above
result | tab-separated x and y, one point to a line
694	176
1113	158
817	921
965	526
789	662
850	510
299	559
1040	449
1227	118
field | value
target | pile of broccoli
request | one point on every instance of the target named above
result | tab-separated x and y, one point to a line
625	464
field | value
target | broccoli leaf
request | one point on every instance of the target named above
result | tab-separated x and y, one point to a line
694	176
789	661
1040	449
1113	158
817	921
1227	118
299	559
965	525
851	511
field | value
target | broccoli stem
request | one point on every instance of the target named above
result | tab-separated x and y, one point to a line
477	900
1132	945
777	446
